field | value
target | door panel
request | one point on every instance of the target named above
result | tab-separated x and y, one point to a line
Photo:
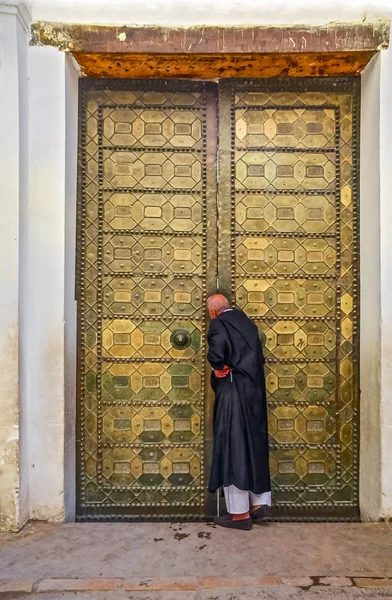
151	250
144	278
291	238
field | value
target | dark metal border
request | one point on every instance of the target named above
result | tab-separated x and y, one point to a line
296	84
79	287
108	83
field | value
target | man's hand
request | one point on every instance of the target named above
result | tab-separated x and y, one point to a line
222	372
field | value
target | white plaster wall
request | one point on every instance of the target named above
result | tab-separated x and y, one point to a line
24	490
376	290
46	283
386	281
185	13
14	189
9	267
370	326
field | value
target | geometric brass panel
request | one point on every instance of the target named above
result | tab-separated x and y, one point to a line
285	213
303	339
147	297
148	381
280	297
152	212
123	338
259	170
156	253
154	170
292	177
300	382
285	256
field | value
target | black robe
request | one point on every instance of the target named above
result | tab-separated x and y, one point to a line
240	450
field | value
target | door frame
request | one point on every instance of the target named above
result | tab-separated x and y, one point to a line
345	37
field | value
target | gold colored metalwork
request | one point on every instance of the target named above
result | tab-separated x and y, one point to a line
146	264
149	255
291	171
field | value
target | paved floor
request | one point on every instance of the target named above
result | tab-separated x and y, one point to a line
197	562
272	593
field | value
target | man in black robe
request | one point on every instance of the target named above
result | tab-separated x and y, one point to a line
240	460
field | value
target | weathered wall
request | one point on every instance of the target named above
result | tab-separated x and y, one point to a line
24	488
46	283
370	325
376	291
32	304
12	139
386	282
9	236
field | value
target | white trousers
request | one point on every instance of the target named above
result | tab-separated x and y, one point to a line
239	501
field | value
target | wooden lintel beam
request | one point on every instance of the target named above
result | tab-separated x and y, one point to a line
217	66
335	37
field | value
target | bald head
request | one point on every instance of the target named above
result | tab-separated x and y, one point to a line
216	304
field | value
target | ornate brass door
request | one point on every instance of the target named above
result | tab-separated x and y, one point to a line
289	165
150	251
144	277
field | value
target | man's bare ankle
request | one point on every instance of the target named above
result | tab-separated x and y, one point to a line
241	517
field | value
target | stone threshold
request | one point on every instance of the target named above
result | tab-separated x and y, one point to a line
184	583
